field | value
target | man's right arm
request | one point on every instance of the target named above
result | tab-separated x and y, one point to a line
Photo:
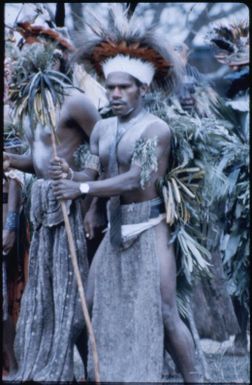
20	162
59	167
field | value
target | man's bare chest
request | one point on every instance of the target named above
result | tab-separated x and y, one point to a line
67	141
124	144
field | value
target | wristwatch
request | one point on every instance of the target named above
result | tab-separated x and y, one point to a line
84	188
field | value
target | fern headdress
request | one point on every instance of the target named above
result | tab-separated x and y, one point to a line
38	73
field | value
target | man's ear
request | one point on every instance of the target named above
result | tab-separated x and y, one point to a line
143	89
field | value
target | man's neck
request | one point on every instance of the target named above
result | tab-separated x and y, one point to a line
132	114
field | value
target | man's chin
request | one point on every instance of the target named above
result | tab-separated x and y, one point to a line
123	111
119	110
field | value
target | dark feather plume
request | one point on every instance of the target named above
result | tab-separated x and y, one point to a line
232	41
223	44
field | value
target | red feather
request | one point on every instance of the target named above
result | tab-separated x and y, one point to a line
32	33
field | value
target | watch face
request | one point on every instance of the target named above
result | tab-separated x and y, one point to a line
84	188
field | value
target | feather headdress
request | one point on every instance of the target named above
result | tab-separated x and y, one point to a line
33	33
36	25
232	42
127	40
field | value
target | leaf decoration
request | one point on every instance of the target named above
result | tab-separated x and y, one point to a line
145	155
41	90
209	169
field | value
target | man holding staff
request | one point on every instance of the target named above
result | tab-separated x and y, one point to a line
132	280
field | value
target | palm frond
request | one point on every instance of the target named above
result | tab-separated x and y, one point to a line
41	90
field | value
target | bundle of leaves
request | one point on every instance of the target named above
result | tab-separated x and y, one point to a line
227	151
36	90
207	183
182	188
218	145
209	161
235	225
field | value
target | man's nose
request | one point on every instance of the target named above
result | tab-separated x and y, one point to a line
116	94
185	94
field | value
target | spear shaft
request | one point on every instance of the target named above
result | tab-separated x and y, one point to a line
78	278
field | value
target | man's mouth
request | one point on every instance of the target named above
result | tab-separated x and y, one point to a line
187	102
117	104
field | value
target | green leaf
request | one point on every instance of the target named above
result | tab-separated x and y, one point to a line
238	210
50	87
232	246
59	75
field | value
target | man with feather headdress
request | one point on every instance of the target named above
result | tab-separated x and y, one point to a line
50	318
132	280
231	44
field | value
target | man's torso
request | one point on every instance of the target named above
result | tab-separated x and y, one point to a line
69	136
125	149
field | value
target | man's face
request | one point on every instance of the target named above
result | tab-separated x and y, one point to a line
123	93
186	96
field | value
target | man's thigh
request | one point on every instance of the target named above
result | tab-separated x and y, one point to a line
167	264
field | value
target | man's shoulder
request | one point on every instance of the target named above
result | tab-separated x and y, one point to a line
76	97
157	119
158	125
103	125
81	109
107	122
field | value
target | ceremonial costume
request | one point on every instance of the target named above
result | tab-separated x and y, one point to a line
127	314
50	317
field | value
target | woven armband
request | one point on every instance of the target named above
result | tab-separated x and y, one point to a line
84	159
11	221
145	156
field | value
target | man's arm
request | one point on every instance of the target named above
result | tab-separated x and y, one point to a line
59	167
125	182
95	218
20	162
128	181
11	220
81	110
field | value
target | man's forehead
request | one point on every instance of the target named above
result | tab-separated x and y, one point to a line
119	78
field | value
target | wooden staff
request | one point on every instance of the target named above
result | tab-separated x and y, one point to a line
78	278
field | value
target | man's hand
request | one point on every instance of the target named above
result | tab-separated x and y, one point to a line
6	162
58	169
9	237
66	189
93	221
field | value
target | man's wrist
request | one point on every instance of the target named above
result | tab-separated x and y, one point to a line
70	174
84	188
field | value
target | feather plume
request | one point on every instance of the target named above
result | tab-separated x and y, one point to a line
105	39
232	42
37	33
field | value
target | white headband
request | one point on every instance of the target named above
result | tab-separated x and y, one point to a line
141	70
